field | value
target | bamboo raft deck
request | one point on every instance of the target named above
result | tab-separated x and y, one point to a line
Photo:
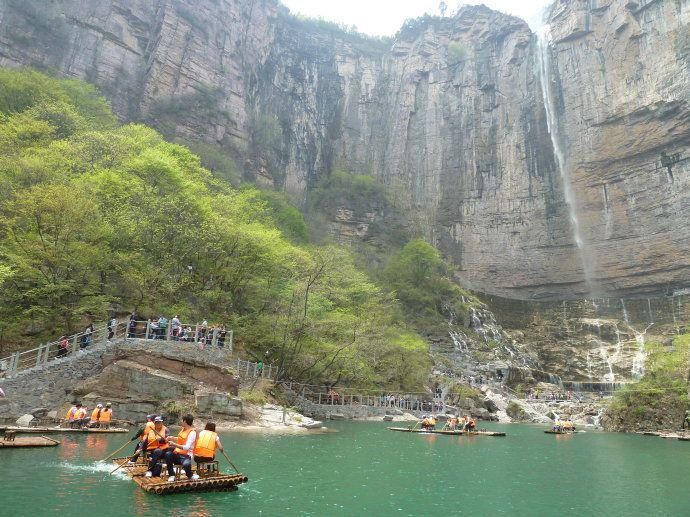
213	482
447	433
28	441
54	430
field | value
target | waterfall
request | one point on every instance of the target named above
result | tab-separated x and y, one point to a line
626	318
543	56
649	308
589	366
637	370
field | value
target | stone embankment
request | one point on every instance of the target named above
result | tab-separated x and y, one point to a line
137	376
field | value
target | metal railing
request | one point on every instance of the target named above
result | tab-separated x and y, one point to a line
327	396
252	370
196	333
48	353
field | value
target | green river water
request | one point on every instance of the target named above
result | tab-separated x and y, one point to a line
364	469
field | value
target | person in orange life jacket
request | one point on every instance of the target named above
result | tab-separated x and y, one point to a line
106	416
183	451
95	415
81	419
156	444
141	436
72	413
206	444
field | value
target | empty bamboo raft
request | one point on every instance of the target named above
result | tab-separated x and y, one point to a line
28	441
53	430
449	433
212	482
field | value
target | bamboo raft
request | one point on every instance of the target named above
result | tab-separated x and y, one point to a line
551	431
29	441
211	482
53	430
448	433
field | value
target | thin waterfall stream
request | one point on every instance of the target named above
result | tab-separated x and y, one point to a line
557	141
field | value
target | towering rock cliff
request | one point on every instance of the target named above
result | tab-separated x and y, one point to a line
452	116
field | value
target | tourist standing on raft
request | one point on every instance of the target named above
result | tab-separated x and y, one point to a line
183	453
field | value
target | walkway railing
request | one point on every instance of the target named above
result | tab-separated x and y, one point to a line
252	370
48	352
326	396
51	352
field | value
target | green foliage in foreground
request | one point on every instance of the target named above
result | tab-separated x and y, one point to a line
94	215
659	400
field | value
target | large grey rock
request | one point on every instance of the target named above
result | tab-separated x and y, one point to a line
39	412
218	403
25	420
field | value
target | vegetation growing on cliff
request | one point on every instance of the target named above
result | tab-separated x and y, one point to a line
659	400
94	215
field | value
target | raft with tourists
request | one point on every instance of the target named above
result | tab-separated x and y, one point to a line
562	427
456	432
209	479
189	459
27	441
55	430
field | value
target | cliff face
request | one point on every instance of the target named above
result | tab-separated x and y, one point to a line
450	116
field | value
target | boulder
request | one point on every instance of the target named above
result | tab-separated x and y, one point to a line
336	416
25	420
481	413
39	412
490	405
388	418
52	414
209	402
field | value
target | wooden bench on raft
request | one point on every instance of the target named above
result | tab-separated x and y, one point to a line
203	469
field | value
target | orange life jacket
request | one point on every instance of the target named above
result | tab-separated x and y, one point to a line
147	427
205	444
95	414
152	437
182	440
71	413
81	413
106	415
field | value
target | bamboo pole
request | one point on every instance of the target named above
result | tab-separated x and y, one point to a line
113	454
230	462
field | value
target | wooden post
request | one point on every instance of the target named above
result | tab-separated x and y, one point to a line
75	343
229	340
214	339
148	329
319	398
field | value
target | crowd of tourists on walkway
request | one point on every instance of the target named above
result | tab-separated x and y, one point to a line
174	329
189	445
155	328
78	416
